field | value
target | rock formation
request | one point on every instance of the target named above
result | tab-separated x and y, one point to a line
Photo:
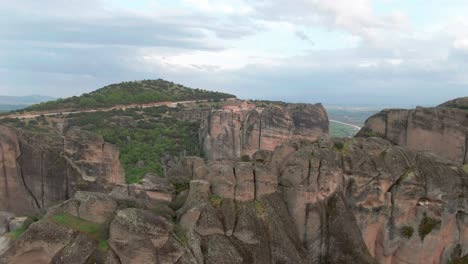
238	130
443	131
359	200
38	170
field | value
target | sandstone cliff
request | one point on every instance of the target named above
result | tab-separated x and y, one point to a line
238	130
443	131
38	170
342	201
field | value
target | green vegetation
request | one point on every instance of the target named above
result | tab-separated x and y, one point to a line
181	186
144	137
30	125
259	208
98	231
180	233
216	201
136	92
461	260
465	168
245	158
407	231
372	134
427	225
341	147
17	233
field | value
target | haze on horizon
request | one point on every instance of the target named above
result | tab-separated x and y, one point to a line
341	52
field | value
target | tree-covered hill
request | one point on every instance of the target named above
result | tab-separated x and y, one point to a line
135	92
460	103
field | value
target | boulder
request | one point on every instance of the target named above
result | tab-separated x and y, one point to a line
140	236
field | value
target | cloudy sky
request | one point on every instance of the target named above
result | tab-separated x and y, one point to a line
373	52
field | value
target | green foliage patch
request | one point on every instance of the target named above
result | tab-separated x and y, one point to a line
427	225
245	158
17	233
259	208
155	136
407	231
98	231
216	201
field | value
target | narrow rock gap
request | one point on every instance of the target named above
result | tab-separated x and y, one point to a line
304	239
407	126
42	176
260	133
255	182
235	184
20	172
5	179
465	157
309	169
319	174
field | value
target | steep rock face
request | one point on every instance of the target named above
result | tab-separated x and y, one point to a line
238	130
442	131
38	170
359	200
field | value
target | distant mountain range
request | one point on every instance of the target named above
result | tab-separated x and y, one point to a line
8	103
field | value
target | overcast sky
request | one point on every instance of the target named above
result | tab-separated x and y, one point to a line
373	52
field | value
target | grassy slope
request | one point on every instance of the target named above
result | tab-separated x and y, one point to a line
126	93
97	231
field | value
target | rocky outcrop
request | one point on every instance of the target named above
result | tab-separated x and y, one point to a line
38	169
443	131
361	200
243	129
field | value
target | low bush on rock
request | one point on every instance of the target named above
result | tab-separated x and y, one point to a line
407	231
427	225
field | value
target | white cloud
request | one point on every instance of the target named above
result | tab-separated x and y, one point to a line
252	48
226	7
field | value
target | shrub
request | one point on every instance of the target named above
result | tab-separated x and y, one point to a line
216	200
427	225
259	207
371	134
407	231
17	233
181	186
339	145
245	158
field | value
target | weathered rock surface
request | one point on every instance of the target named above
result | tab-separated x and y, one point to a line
361	200
38	170
238	130
443	131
